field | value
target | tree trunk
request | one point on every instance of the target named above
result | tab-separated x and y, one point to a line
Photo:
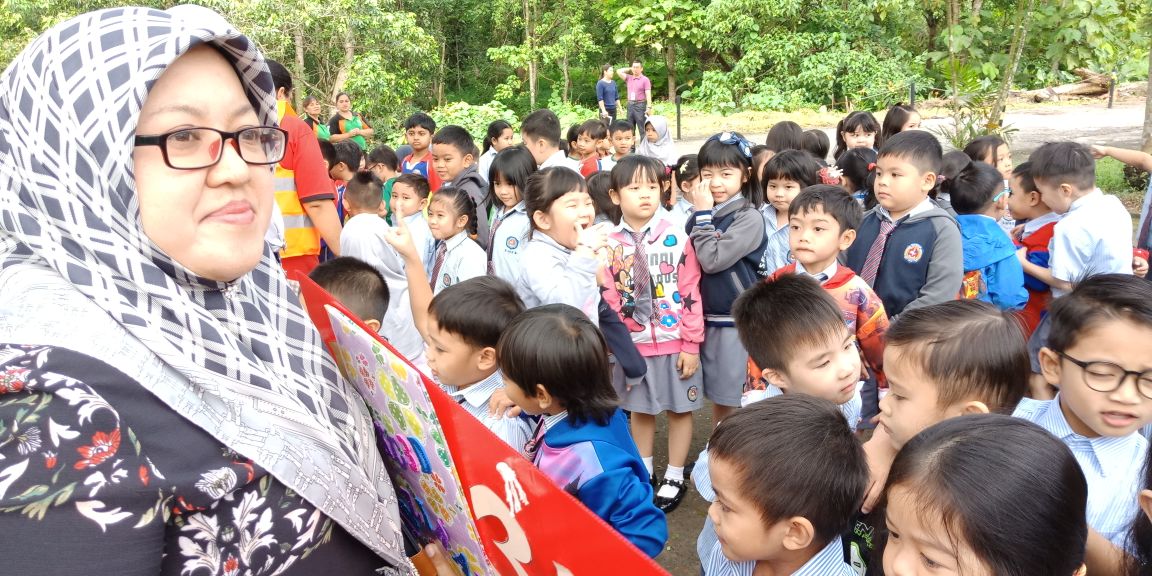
346	63
932	22
529	34
1023	15
953	20
1148	109
298	67
440	75
567	90
670	62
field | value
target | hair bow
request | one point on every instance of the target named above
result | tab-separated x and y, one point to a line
871	166
734	138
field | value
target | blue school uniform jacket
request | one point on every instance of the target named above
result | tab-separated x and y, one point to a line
923	259
991	255
600	466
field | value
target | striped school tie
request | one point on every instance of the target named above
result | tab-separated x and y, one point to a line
876	252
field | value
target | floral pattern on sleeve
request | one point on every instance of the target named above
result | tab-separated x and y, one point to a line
70	462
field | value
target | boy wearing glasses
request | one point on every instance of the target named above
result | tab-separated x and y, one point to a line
1097	356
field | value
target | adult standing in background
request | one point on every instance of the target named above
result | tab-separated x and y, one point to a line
639	94
606	94
311	117
346	124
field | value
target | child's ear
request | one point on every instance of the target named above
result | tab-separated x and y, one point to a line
1034	198
544	398
542	220
344	203
969	408
799	534
1050	366
486	360
462	221
775	378
423	204
469	159
1145	499
373	324
928	182
846	239
615	196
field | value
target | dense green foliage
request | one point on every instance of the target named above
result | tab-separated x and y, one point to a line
395	56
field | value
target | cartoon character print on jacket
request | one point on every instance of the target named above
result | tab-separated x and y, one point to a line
622	269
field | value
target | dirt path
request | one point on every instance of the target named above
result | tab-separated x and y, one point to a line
1089	122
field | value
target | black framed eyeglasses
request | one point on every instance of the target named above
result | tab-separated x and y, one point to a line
1108	377
195	148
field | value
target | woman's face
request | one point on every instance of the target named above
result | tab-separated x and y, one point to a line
313	108
210	220
344	103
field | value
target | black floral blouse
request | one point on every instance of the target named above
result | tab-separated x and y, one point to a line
97	476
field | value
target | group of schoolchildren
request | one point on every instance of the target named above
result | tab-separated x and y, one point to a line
896	293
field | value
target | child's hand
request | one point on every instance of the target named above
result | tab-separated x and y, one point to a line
879	454
500	405
400	238
702	195
687	364
1018	232
1139	266
593	238
1022	255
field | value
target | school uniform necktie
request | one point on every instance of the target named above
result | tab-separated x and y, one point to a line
641	280
492	240
441	253
876	252
533	445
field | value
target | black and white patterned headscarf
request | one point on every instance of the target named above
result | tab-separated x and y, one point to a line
249	367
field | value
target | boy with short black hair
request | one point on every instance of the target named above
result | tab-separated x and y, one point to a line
418	131
383	162
363	238
409	199
1025	203
591	137
908	249
454	159
540	132
789	477
623	137
358	286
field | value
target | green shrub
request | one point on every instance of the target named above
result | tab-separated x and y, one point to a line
473	117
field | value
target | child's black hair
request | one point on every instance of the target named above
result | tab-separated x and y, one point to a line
786	135
544	124
917	147
384	155
621	126
495	130
782	315
461	203
364	192
1023	171
860	119
1098	299
969	349
557	347
831	200
1005	487
817	144
636	167
349	153
548	185
795	455
686	169
716	154
420	120
795	165
858	166
1139	541
328	151
894	121
1058	163
456	137
972	186
984	148
355	284
573	136
760	156
478	310
595	129
281	78
512	165
598	186
418	184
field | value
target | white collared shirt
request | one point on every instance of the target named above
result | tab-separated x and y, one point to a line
827	273
829	561
421	238
559	158
464	259
1031	226
509	241
1093	237
920	208
514	431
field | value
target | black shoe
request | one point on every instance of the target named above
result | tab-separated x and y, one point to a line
670	504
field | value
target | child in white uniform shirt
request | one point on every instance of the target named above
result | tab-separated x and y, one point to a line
452	219
508	179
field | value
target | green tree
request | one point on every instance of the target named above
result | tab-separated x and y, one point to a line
667	26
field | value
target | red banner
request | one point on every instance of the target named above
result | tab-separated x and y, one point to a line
526	524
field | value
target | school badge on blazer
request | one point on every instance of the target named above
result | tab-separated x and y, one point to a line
913	253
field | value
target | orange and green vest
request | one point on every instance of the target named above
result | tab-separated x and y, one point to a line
300	237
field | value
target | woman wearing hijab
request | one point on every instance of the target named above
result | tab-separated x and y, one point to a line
165	405
657	142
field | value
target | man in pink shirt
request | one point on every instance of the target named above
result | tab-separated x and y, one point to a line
639	94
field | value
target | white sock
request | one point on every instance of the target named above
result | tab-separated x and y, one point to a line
648	464
672	473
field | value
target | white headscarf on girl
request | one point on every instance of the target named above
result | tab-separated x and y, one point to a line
663	149
239	359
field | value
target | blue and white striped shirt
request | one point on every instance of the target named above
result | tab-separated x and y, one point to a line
829	561
1112	466
777	252
515	431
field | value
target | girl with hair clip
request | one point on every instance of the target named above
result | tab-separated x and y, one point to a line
728	235
944	516
555	365
452	219
563	244
685	177
857	170
857	130
498	137
508	235
898	119
992	272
